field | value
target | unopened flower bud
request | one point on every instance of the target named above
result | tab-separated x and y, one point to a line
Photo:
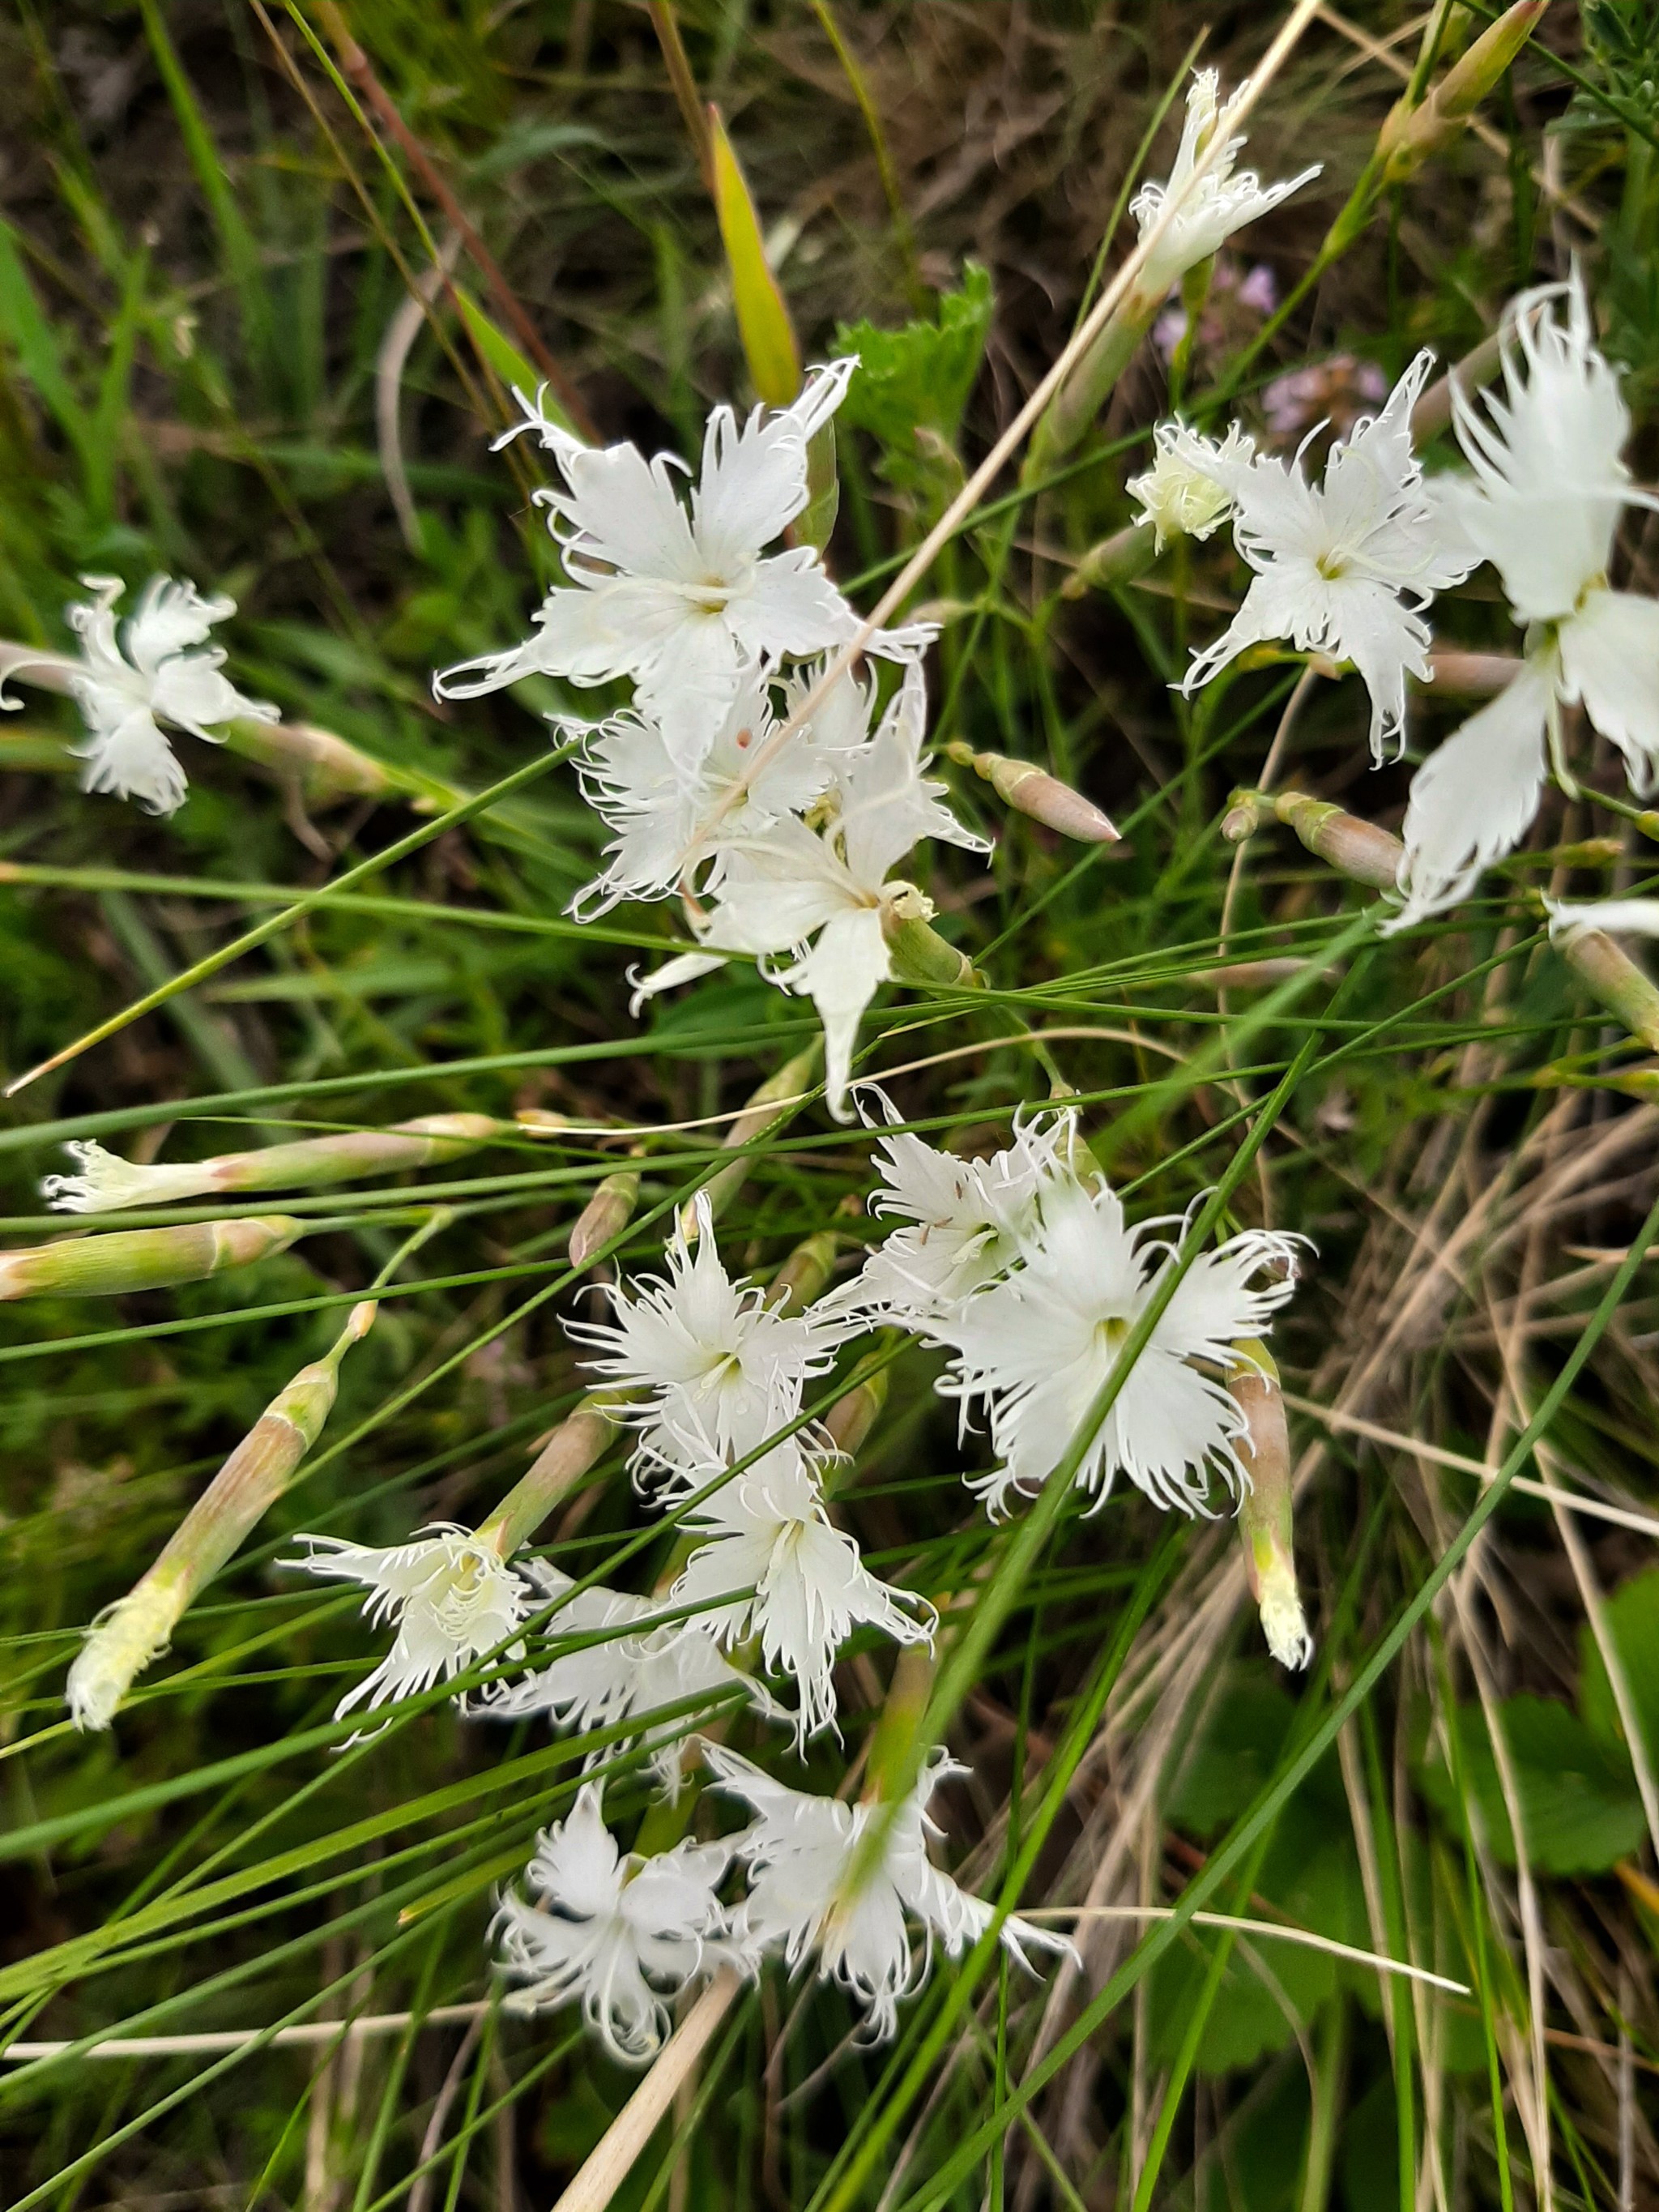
1614	979
142	1258
1472	674
1411	134
106	1182
327	768
554	1473
1119	559
605	1215
1033	790
1243	816
137	1628
854	1414
776	1098
803	1274
1264	1512
919	955
1352	846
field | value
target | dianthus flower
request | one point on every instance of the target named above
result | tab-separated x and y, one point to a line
803	1855
454	1599
825	895
1549	482
1038	1347
1180	496
622	1934
709	1357
1205	210
1346	567
684	601
129	681
767	1532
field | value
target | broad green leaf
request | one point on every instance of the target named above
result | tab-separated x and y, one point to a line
1632	1619
763	323
504	357
919	377
1579	1800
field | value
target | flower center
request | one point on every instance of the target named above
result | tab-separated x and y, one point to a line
1111	1331
1332	566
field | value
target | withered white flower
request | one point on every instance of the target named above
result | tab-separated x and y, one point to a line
1549	482
802	1856
965	1220
709	1357
684	601
825	895
1620	917
106	1182
624	1933
129	681
1205	210
1180	496
631	1671
766	1532
1038	1347
452	1598
667	816
1346	567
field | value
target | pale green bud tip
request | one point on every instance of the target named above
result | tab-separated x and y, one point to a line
1283	1621
605	1215
106	1182
122	1642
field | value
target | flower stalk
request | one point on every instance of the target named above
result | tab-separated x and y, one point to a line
138	1627
768	1106
143	1259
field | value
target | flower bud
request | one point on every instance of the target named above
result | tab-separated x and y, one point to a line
1615	980
551	1475
1033	790
1243	816
1086	389
1119	559
605	1215
1264	1511
142	1258
1352	846
919	955
1411	134
106	1182
804	1273
1472	674
327	768
137	1628
766	1107
854	1414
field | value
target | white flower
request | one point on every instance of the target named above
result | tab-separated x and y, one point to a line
622	1676
454	1599
965	1220
712	1357
1206	212
107	1182
802	1856
1543	505
124	695
1039	1348
1625	917
685	602
1179	495
1346	568
661	811
784	887
624	1933
767	1532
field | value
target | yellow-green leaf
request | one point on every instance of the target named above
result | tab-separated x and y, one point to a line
504	357
763	323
